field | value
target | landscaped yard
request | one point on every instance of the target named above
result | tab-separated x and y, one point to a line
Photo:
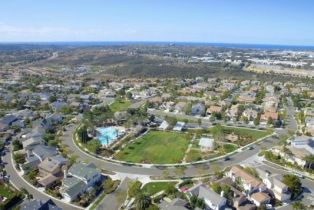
12	196
255	134
193	155
155	187
5	191
229	148
120	105
156	147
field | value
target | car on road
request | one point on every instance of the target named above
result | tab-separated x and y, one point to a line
251	148
227	158
299	175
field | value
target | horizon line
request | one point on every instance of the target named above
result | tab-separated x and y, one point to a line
161	42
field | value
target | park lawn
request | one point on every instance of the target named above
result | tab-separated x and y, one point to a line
157	147
6	191
193	155
154	187
120	105
255	134
229	148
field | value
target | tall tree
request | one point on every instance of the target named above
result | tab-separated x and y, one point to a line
293	183
142	201
309	160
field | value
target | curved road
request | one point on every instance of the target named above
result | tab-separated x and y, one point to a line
18	182
191	171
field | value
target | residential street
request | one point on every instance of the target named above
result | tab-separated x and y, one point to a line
20	183
116	198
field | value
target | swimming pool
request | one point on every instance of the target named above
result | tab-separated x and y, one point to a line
107	134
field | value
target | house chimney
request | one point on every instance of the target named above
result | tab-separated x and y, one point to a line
65	171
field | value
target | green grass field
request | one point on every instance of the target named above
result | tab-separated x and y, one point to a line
155	187
120	105
194	155
229	148
156	147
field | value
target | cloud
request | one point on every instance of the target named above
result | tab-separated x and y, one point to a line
15	33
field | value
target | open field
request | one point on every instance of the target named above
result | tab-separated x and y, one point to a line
155	187
156	147
120	105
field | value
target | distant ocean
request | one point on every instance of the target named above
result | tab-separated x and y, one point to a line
225	45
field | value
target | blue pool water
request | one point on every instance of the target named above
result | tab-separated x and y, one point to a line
107	135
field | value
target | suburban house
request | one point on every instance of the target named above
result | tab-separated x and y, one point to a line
212	199
247	97
233	112
269	115
250	183
38	205
36	156
206	144
303	142
164	125
274	183
213	109
270	105
180	107
296	157
260	198
79	179
6	122
309	123
250	114
179	126
57	105
198	109
31	143
50	170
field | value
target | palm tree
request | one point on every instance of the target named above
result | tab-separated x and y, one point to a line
27	194
193	201
297	205
142	201
201	203
310	160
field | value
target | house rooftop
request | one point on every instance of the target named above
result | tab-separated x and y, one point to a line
83	170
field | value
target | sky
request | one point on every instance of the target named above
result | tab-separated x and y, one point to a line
280	22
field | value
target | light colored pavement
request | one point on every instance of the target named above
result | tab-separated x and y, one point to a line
114	200
20	183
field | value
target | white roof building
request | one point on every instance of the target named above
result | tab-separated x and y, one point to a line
206	143
164	125
179	126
